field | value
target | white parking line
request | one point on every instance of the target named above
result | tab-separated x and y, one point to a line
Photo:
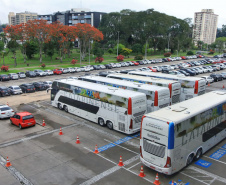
133	166
214	159
194	178
121	146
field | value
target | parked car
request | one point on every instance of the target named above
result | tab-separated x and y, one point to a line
13	76
71	69
21	75
216	67
184	72
135	63
6	111
189	71
4	78
140	62
4	91
108	66
27	88
64	70
14	89
208	79
48	72
175	73
40	86
57	71
224	75
158	69
77	69
40	72
216	77
97	67
210	70
30	74
48	83
152	69
103	73
23	119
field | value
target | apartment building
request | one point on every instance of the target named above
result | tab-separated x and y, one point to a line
22	17
205	26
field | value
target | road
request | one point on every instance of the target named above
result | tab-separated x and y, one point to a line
39	155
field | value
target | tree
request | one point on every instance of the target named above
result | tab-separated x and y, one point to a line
49	49
120	47
137	48
39	30
110	51
13	46
126	51
31	49
220	43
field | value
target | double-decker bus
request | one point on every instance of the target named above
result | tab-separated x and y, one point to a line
157	97
174	86
171	138
115	108
190	86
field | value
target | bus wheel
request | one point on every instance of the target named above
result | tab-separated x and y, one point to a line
198	154
110	125
101	122
190	159
65	108
60	106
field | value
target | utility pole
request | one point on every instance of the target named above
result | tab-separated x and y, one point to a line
117	43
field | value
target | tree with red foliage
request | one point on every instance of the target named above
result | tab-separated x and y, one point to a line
38	30
86	33
120	58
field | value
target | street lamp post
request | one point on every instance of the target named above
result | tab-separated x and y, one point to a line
168	41
117	43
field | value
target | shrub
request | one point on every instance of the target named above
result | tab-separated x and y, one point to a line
43	65
110	50
99	59
137	48
168	54
211	52
138	57
74	61
190	53
5	68
120	58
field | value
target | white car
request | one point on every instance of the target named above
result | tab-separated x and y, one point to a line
15	89
209	69
208	79
6	111
102	66
77	69
223	74
157	68
71	69
21	75
64	70
39	72
48	83
118	65
49	72
13	76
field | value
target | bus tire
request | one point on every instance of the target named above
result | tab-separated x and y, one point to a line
65	108
101	122
198	154
190	159
60	106
110	125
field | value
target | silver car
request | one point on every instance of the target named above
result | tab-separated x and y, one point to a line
14	89
21	75
49	72
13	76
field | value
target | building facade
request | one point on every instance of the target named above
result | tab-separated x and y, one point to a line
75	16
205	26
19	18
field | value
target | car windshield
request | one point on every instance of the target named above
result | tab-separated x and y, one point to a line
29	86
5	108
28	117
17	88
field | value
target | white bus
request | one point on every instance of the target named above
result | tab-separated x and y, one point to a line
190	86
108	106
174	86
172	137
157	97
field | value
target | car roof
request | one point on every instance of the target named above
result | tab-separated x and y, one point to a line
24	113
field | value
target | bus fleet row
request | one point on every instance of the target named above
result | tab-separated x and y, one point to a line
173	132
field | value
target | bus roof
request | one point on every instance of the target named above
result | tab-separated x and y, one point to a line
128	83
144	78
103	88
189	108
172	77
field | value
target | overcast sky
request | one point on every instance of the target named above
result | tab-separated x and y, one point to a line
178	8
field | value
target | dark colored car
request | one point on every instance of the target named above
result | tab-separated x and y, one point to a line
192	73
27	88
140	62
96	67
4	78
184	72
216	77
164	60
30	74
103	73
40	86
108	66
5	91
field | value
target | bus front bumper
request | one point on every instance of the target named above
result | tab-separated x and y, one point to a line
167	171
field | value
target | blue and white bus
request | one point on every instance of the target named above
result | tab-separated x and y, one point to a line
171	138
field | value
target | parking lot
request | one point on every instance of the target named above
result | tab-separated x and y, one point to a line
39	155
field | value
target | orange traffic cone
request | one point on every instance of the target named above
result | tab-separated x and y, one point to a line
43	123
208	84
120	162
96	150
157	182
223	87
8	164
60	133
172	183
142	172
7	103
77	141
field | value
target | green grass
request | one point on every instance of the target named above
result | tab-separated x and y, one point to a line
34	63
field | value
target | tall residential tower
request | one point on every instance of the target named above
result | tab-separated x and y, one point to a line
205	26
